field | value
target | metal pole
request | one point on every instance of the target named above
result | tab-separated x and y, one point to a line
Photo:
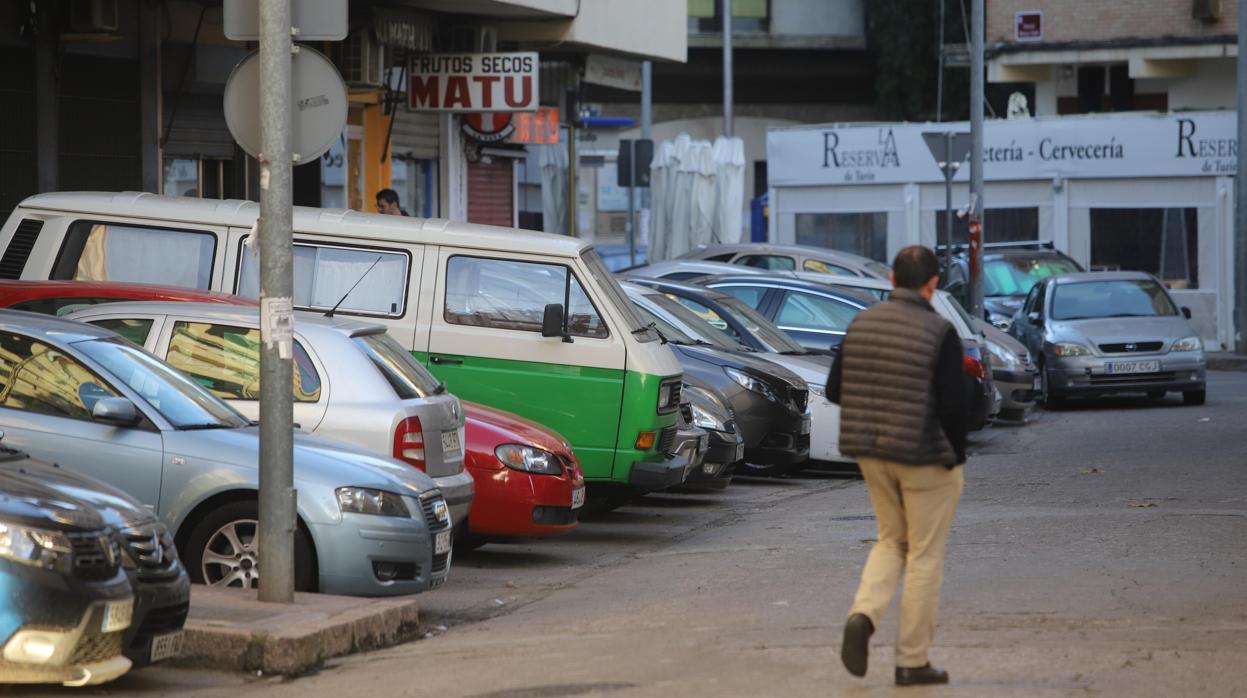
647	98
571	180
728	125
1240	197
976	154
277	495
949	171
631	227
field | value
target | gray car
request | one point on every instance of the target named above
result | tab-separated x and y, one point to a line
1107	333
791	258
354	382
1013	371
85	398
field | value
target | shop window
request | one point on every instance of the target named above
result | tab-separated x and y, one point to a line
1000	225
97	251
226	360
1159	241
864	234
372	281
512	295
415	181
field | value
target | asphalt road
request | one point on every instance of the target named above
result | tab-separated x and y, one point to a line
1098	550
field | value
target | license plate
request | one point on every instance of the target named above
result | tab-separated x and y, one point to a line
1037	384
441	543
805	426
166	646
740	453
117	615
578	497
450	441
1132	367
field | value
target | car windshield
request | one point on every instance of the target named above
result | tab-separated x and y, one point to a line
774	339
692	323
1117	298
615	295
669	331
176	396
409	379
1014	276
879	269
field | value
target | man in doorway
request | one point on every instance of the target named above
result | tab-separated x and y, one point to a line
903	398
387	203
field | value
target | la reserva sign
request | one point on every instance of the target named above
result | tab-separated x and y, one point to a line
1184	144
473	82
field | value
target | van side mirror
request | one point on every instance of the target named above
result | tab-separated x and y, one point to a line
117	411
552	322
1186	312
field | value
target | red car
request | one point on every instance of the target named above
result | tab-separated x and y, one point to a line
528	481
63	297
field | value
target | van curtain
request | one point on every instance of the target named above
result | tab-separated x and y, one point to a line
697	194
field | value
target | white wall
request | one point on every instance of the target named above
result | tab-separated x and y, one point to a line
1212	87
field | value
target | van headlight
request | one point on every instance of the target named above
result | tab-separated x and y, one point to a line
1187	344
36	547
750	383
364	500
529	459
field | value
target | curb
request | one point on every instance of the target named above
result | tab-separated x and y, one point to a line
1225	361
299	641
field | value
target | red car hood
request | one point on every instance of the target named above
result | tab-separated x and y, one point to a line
489	428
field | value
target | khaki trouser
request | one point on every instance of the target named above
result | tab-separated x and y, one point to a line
914	507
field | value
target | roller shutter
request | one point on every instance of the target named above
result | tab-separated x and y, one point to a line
491	192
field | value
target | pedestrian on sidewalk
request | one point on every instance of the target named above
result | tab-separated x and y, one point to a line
903	410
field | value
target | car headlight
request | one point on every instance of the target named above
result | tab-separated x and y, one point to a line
364	500
1187	344
529	459
36	547
750	383
1070	349
1003	356
1003	322
709	412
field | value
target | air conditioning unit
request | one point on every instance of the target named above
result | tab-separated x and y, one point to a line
93	17
362	61
1206	11
473	39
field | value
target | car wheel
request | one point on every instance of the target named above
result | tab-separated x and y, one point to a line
223	550
1194	397
1155	394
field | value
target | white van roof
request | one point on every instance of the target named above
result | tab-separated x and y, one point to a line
367	226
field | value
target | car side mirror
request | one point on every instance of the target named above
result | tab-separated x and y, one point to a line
1034	318
117	411
1186	312
552	322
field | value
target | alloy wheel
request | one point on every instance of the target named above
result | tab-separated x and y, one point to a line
232	556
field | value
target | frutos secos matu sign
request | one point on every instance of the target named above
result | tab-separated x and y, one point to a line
1136	145
473	82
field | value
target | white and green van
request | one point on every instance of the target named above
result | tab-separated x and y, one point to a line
526	322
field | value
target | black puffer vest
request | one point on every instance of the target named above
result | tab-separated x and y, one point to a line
888	364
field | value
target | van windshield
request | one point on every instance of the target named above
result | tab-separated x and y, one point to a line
615	295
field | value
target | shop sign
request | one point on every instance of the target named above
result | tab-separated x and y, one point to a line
540	127
1028	25
1187	144
473	82
619	73
488	127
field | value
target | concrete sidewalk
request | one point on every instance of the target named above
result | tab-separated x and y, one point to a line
1226	361
230	629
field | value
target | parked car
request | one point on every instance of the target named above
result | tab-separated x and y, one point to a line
1108	333
528	481
686	270
67	601
64	297
791	258
83	397
986	399
725	445
815	314
770	404
161	586
500	315
1013	371
353	382
1009	272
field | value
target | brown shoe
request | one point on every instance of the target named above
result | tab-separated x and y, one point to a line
920	676
856	646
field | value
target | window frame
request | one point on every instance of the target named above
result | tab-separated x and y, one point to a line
795	293
444	286
144	423
60	258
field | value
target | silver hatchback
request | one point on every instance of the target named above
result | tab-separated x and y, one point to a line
352	381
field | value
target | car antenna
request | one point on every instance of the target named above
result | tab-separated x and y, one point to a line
352	288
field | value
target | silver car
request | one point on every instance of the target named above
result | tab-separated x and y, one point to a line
1106	333
791	258
84	398
353	382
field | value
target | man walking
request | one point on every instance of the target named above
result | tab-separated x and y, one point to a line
903	398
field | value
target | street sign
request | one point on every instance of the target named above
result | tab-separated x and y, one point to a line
540	127
317	102
1028	25
316	20
473	82
634	157
955	152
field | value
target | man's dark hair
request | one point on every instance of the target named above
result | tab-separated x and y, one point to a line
389	196
914	266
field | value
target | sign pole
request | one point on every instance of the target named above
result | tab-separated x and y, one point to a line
949	171
728	121
976	157
1240	197
277	494
631	228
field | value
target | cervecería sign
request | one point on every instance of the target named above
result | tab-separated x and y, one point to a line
473	82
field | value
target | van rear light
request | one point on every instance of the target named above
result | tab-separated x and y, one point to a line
409	442
973	367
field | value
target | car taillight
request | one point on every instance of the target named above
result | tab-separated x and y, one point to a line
409	442
973	367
